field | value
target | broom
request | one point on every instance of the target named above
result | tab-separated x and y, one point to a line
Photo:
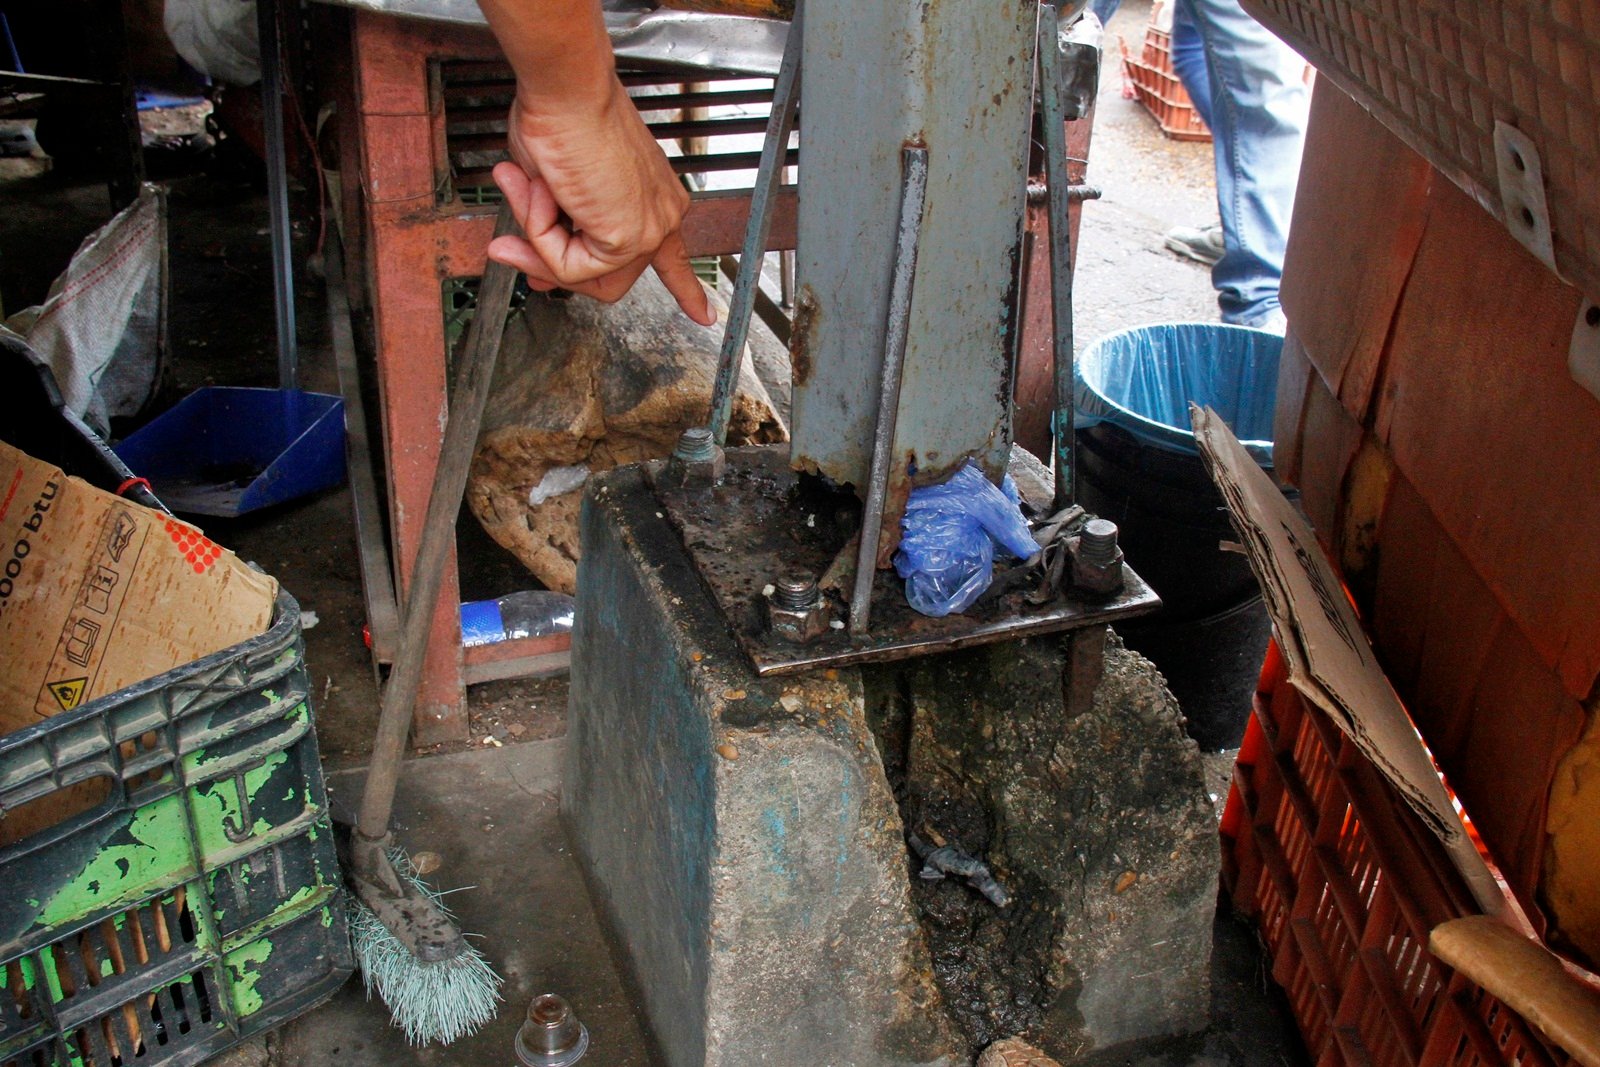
411	953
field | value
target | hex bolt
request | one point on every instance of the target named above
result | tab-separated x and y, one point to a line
551	1035
696	462
796	592
1096	559
1098	545
695	444
795	610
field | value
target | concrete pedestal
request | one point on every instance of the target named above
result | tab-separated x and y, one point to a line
739	833
742	837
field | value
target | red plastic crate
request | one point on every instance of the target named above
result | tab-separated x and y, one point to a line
1160	91
1345	884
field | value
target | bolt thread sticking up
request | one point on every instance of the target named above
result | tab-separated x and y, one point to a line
795	592
695	444
1097	545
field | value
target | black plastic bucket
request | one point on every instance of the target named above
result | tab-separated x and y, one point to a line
1139	466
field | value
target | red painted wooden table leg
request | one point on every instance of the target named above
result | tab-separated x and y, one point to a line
397	142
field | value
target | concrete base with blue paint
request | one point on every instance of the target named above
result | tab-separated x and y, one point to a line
739	833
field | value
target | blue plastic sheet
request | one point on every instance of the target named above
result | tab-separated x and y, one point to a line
949	536
1143	380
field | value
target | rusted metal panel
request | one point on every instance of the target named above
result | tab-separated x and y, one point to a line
956	76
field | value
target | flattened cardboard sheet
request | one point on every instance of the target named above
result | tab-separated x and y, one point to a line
1327	654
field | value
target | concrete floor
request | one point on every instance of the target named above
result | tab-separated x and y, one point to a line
489	811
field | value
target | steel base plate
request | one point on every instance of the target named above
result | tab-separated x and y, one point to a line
763	520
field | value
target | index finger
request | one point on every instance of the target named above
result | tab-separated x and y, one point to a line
677	274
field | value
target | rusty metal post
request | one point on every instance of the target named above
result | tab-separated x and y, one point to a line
1035	385
785	100
1086	661
1055	112
956	76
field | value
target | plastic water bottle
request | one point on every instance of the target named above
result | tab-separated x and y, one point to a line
531	613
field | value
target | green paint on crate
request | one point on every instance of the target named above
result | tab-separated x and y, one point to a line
303	893
217	807
153	843
241	961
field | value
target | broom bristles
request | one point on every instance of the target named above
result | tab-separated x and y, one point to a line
441	1001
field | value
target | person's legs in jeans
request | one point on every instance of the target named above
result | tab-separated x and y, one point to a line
1189	60
1259	106
1104	9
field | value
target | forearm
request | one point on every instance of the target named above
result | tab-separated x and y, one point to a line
559	50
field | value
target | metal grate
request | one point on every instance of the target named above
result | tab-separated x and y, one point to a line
1441	73
709	127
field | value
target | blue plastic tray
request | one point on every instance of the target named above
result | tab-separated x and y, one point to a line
225	450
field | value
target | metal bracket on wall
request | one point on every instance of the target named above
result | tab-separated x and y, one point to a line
1583	356
1522	200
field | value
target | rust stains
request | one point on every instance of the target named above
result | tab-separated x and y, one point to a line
806	313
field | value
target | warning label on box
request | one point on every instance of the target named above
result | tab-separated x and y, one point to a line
80	648
68	693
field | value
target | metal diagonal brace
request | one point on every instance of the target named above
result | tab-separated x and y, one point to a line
1053	93
913	196
774	150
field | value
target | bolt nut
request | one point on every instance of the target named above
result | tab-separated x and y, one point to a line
795	609
696	463
1096	558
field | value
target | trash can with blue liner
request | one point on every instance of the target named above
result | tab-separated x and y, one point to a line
1139	466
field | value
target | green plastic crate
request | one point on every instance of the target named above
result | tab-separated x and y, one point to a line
198	900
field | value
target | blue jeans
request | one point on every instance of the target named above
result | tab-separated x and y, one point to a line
1259	104
1188	53
1249	88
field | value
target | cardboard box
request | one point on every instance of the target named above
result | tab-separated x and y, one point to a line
97	593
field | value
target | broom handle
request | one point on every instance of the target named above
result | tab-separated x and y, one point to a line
469	393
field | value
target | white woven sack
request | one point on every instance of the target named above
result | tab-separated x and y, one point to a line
102	326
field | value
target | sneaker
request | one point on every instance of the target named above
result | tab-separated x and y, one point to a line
1202	244
1273	322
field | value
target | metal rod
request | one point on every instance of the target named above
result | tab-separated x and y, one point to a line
774	155
277	191
468	394
1053	95
913	194
377	577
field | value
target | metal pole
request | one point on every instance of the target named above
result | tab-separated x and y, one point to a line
1053	96
474	371
913	195
277	189
785	100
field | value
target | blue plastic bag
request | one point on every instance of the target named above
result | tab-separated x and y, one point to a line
948	539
